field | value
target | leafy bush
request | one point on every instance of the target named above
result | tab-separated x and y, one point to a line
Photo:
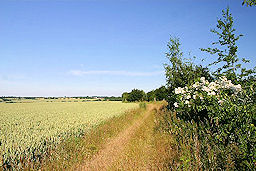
223	112
134	96
212	127
180	72
211	118
195	101
151	96
158	94
161	93
125	96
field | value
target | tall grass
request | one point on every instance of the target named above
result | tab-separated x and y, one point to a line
187	148
143	105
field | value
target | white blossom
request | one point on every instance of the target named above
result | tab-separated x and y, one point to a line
196	85
188	97
212	89
186	88
211	93
186	102
202	79
176	104
238	87
194	96
213	86
179	90
206	89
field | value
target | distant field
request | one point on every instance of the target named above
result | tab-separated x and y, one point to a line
60	99
27	130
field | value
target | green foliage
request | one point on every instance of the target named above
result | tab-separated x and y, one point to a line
151	96
125	96
226	50
112	98
212	130
177	70
135	95
158	94
249	2
196	150
212	120
223	112
161	93
180	72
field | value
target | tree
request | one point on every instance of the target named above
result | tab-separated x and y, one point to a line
180	72
136	95
226	49
125	96
161	93
151	96
249	2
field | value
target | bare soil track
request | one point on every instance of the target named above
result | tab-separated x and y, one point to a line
114	148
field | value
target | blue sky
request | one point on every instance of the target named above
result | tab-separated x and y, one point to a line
100	47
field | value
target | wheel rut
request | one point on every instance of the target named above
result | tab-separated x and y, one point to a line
115	146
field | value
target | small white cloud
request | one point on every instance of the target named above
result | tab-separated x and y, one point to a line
117	73
157	66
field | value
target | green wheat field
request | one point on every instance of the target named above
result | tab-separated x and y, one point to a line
27	130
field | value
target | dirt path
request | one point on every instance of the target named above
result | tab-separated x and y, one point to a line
114	148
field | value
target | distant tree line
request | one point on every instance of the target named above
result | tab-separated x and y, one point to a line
105	98
11	99
112	98
139	95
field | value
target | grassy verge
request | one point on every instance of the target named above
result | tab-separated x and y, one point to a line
77	150
139	152
182	149
148	149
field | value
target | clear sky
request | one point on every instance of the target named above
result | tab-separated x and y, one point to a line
105	47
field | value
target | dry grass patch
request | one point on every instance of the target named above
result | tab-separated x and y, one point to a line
76	151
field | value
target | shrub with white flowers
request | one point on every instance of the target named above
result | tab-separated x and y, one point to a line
221	110
202	90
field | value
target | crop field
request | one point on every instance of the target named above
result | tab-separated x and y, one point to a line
28	130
